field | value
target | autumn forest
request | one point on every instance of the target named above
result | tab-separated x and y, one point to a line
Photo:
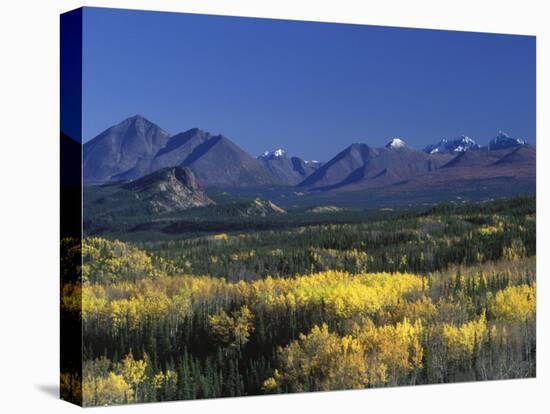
434	295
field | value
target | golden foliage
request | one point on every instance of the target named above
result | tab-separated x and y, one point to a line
108	390
107	384
464	340
71	297
70	387
423	309
489	230
393	351
320	361
133	370
166	380
232	330
343	294
220	237
515	251
515	303
323	360
382	324
110	261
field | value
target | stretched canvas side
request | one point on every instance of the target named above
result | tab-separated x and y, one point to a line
71	206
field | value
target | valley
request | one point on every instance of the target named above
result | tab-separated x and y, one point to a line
131	184
207	272
325	299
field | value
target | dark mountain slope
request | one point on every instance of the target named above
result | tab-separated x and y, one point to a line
126	146
524	155
219	162
474	159
137	147
179	147
288	170
340	167
385	166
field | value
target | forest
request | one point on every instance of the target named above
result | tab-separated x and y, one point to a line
444	294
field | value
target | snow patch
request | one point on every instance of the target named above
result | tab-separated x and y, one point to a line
460	144
271	155
396	143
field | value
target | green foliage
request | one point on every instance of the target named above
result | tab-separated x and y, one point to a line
416	243
234	330
441	296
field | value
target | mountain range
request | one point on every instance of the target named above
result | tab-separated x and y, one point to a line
136	148
464	143
289	170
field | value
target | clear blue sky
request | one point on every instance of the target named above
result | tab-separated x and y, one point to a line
311	88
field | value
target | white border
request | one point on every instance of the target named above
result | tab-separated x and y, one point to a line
29	81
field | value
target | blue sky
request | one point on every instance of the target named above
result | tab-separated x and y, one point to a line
311	88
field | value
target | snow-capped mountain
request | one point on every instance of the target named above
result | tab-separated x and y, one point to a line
272	155
142	148
505	141
396	143
460	144
287	169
